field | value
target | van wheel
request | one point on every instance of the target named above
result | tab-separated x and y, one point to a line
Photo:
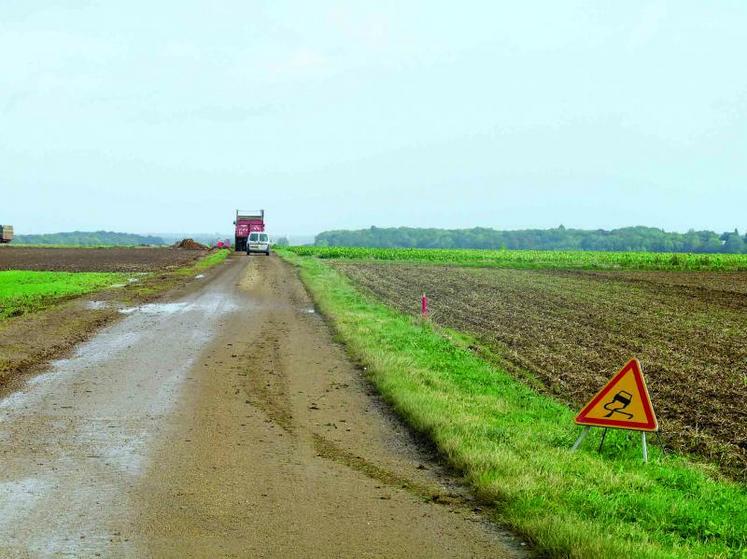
267	253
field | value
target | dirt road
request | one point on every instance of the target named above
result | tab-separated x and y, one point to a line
223	423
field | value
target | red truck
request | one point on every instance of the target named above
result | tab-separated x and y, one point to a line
247	223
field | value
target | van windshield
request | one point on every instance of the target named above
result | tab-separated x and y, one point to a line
263	238
254	237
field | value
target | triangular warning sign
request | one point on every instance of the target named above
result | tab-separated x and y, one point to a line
623	403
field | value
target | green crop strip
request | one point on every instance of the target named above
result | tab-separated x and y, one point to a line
23	291
513	444
547	259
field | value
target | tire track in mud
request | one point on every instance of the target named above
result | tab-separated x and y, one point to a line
282	449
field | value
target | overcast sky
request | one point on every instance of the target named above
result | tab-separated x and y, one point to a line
167	116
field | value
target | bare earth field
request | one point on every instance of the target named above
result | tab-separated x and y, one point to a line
572	330
95	259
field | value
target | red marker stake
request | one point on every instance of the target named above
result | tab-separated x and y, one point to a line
424	306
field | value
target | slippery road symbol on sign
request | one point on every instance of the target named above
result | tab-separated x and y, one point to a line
623	403
619	402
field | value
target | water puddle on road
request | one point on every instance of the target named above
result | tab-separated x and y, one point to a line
156	308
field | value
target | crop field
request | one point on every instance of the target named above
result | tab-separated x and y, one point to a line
539	259
570	331
23	291
96	259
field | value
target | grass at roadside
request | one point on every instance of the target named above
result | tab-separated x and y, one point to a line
210	260
536	259
513	444
22	291
34	338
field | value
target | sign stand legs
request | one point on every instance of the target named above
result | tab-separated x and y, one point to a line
580	439
661	442
645	448
601	443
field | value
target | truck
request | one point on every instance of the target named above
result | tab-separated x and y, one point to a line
247	223
6	233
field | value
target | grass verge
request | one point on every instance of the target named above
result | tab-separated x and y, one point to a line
513	444
22	292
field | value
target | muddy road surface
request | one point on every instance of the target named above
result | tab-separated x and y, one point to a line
223	423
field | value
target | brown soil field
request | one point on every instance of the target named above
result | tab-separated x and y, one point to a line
95	259
567	332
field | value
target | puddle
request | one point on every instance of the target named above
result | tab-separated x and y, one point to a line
98	305
309	311
157	308
199	276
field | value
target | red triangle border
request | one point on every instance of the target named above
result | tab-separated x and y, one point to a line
651	423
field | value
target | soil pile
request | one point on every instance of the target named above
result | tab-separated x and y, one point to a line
190	244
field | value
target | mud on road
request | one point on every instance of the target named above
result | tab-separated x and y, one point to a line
225	423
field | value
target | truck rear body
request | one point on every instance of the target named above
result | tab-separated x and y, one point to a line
247	223
6	233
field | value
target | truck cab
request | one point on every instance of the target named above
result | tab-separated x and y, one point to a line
258	241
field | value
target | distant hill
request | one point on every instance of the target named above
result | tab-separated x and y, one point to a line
646	239
89	238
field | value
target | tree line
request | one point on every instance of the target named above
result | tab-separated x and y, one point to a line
89	238
646	239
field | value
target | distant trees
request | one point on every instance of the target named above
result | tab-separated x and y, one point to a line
733	243
647	239
89	238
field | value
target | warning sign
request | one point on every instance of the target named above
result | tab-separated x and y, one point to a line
623	403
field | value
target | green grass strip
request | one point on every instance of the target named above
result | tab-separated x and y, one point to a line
545	259
212	259
25	291
513	444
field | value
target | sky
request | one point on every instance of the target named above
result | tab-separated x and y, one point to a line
167	116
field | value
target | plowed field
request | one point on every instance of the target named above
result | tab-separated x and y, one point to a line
572	330
95	259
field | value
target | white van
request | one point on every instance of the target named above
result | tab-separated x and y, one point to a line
258	242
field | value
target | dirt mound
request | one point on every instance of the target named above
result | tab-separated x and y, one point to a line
190	244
